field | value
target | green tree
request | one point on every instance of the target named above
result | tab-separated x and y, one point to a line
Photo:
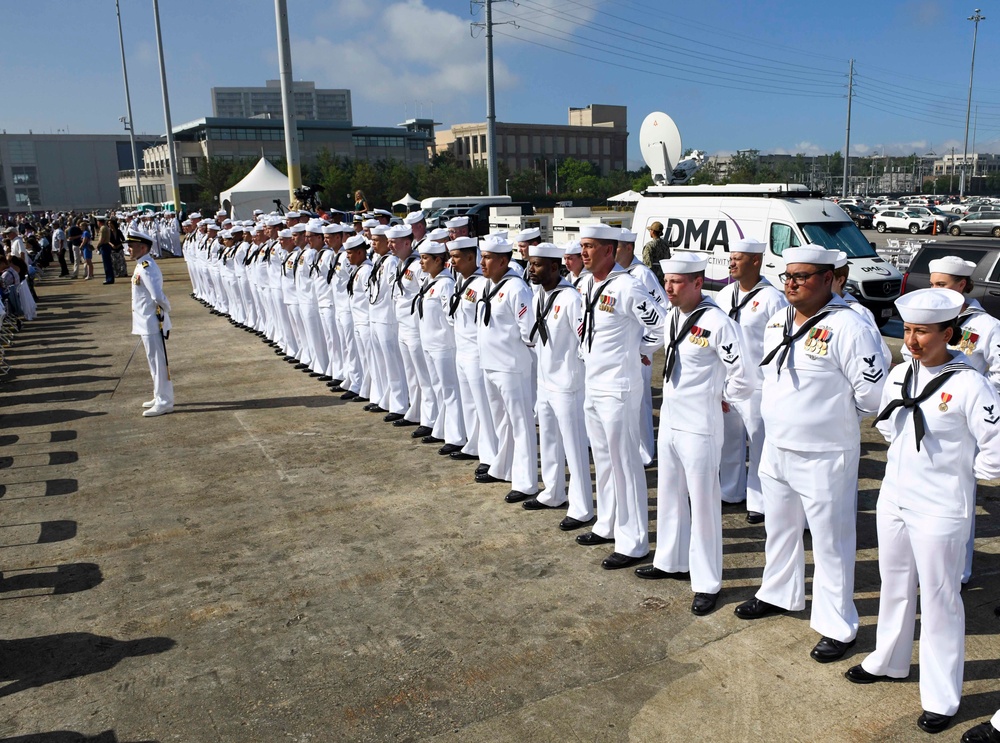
743	167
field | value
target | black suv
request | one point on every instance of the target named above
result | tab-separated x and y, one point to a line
985	279
862	217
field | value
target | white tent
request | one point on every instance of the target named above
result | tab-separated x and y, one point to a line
626	197
258	190
408	201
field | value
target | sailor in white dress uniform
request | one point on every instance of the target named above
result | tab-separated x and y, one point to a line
151	320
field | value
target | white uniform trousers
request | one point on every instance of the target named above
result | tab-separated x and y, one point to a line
509	395
562	435
331	335
450	425
386	356
821	489
970	543
218	299
622	495
298	330
363	339
266	316
311	323
689	508
740	480
352	369
287	339
916	549
249	306
156	355
479	428
647	438
422	406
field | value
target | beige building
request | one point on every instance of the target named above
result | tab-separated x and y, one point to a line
311	103
597	133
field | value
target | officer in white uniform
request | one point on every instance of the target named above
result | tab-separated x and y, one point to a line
562	431
621	325
704	368
151	320
506	316
940	417
822	366
431	307
751	301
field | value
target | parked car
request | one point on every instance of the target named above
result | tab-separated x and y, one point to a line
438	217
861	217
977	223
985	278
943	219
899	220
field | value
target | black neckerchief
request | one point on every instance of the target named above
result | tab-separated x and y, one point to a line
417	305
460	289
578	279
373	278
788	337
314	268
739	304
541	313
333	267
485	301
401	271
670	349
350	281
587	329
293	255
913	403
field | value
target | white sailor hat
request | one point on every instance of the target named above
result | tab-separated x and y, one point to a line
358	241
381	229
315	226
498	235
627	236
257	211
600	232
253	230
186	222
841	259
238	227
532	233
296	228
399	230
225	234
332	229
494	245
930	305
456	222
572	248
193	215
369	223
358	218
285	234
441	234
545	250
137	234
414	217
212	225
951	265
747	245
684	263
429	247
292	215
274	221
817	255
101	217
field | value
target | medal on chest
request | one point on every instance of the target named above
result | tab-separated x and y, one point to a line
967	343
699	336
754	305
818	340
945	399
555	312
607	303
470	295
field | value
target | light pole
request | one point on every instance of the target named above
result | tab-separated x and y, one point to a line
128	108
506	186
975	18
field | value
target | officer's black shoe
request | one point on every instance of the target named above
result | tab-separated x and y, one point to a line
569	523
590	539
983	733
461	455
858	675
482	469
449	449
755	609
290	359
315	374
393	417
486	478
828	650
704	603
300	365
325	378
429	439
651	572
617	561
420	432
932	722
369	406
403	423
376	408
533	504
755	518
516	496
348	395
359	398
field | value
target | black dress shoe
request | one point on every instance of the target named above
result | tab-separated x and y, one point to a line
431	439
482	469
376	408
704	603
359	398
393	417
325	378
348	395
486	478
755	609
420	432
289	359
651	572
982	733
300	365
755	518
590	539
533	504
449	449
403	423
369	406
315	374
858	675
569	523
334	385
516	496
932	722
461	455
828	650
617	561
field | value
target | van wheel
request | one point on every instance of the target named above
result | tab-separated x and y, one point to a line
914	229
996	232
880	227
955	231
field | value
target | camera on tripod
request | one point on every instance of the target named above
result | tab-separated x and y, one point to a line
308	196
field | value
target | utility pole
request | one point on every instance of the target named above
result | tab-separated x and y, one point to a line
175	191
847	145
491	115
287	99
975	18
951	178
128	110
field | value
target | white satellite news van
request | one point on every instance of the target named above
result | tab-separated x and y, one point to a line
706	219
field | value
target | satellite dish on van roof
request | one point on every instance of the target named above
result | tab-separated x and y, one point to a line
660	144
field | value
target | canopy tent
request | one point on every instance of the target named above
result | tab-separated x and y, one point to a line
626	197
258	190
407	201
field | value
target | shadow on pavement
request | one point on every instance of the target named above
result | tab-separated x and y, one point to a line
71	578
305	401
68	736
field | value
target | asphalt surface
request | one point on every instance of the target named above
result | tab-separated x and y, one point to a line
269	563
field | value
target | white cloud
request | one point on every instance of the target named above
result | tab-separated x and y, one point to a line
802	148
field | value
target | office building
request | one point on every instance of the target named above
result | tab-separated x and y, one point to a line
311	103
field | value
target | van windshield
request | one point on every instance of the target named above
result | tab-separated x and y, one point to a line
839	236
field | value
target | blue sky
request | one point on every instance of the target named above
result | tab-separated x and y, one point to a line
769	74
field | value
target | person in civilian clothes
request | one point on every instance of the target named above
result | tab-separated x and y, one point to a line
940	417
